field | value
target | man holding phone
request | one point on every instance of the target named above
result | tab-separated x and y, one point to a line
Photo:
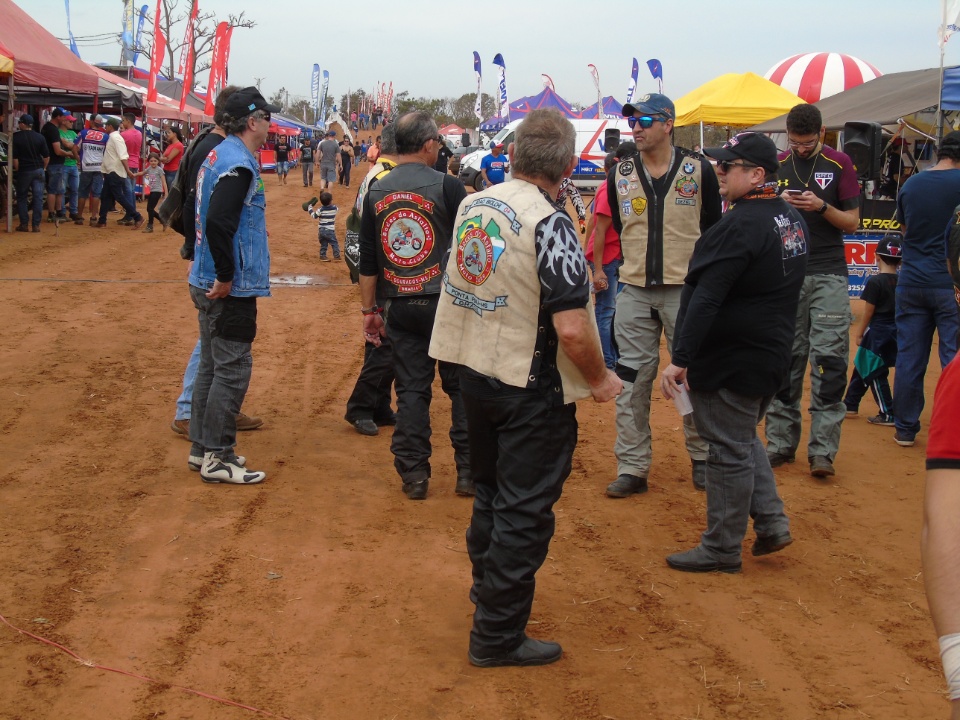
822	184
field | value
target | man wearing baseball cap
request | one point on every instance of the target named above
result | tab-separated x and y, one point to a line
732	349
56	147
662	200
30	157
231	224
493	167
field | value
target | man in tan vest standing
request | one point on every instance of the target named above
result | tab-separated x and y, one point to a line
515	315
662	199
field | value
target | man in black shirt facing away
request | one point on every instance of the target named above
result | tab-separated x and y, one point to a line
732	349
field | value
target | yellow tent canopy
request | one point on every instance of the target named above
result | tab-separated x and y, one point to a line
734	99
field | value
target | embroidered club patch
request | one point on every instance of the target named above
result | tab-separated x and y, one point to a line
478	249
625	208
406	235
688	168
623	187
686	187
626	168
639	205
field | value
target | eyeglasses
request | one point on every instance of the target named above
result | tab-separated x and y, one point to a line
644	121
440	139
725	165
807	145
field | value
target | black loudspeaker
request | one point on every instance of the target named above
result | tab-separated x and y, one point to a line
611	139
465	139
863	143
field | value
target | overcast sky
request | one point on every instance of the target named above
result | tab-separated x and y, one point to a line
426	47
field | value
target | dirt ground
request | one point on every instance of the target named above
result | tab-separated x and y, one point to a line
324	593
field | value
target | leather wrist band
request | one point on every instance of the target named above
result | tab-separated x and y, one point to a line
823	208
375	310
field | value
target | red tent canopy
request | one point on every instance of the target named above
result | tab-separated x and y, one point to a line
41	59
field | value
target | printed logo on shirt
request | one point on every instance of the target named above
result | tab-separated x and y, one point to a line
688	168
793	240
478	249
407	237
639	204
623	187
823	179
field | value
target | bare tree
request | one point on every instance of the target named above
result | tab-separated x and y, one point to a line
173	25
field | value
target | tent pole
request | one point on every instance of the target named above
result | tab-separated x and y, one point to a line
939	132
701	135
9	199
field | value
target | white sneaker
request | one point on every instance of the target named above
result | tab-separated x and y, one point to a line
195	462
215	470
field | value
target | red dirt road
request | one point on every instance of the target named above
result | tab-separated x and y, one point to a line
324	593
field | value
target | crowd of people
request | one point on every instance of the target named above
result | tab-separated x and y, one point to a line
733	255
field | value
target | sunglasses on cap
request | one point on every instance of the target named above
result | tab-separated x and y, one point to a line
644	121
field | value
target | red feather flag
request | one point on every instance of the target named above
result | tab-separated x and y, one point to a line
156	61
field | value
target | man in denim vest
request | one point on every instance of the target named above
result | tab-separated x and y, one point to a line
230	271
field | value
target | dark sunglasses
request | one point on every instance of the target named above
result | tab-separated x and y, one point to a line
645	121
725	165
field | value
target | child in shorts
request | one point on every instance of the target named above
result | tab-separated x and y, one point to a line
876	334
326	214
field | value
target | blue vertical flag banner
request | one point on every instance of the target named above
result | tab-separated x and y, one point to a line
503	108
73	43
323	99
632	87
477	106
656	69
315	92
126	35
136	44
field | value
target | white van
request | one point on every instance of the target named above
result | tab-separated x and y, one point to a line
590	149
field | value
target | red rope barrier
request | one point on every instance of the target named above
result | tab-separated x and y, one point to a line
143	678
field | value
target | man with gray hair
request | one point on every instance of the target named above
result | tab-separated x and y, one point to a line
405	230
516	316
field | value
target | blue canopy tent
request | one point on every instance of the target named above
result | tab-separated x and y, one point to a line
547	98
611	108
494	124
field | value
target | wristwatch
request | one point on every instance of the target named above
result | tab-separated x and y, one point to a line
375	310
823	208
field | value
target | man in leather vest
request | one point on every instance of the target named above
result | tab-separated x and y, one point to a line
405	229
231	269
516	315
662	200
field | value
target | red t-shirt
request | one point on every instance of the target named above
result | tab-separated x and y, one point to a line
943	442
174	163
611	247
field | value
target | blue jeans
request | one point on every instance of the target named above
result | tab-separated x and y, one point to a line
227	329
29	181
115	188
170	177
131	195
740	483
55	179
605	308
919	311
189	379
71	174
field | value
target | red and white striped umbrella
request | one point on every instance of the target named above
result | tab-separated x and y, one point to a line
814	76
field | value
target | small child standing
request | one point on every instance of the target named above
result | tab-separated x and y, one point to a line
154	187
876	334
326	213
